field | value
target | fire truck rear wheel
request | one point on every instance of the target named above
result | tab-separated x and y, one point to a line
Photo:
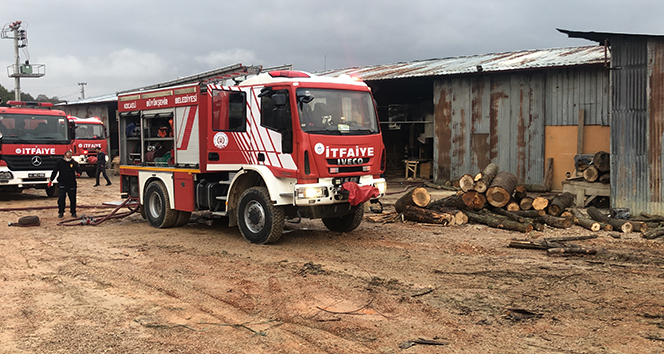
259	220
157	206
347	222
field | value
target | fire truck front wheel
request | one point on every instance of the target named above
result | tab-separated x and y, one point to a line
157	206
346	223
259	220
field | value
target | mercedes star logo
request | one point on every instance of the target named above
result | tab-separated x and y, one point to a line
36	161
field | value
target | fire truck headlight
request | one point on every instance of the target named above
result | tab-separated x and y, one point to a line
382	186
6	175
311	192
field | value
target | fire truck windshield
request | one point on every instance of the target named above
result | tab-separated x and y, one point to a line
90	131
336	112
33	129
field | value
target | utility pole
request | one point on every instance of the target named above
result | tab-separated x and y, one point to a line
19	34
82	84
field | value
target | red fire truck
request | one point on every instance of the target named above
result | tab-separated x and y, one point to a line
90	134
33	136
278	145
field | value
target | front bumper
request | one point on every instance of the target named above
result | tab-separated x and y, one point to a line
23	179
325	192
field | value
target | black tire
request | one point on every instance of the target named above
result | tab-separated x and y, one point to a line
346	223
28	220
141	209
52	191
157	206
183	218
259	220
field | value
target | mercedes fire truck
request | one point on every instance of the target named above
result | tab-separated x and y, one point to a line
90	133
33	136
282	144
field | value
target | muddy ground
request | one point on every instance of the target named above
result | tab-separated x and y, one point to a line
125	287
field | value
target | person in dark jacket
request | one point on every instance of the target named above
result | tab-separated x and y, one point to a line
101	167
67	170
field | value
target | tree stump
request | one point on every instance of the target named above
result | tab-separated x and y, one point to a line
501	189
416	197
483	179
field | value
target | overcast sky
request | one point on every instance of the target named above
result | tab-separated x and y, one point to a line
121	44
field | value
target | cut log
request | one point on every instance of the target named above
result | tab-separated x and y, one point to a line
526	203
499	223
590	174
639	226
453	201
510	215
605	226
653	234
540	203
483	179
602	161
561	223
582	162
513	205
560	203
605	178
428	216
617	224
520	192
416	197
570	250
534	214
501	189
537	188
584	222
466	183
474	200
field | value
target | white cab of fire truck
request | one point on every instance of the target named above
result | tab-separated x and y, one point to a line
90	133
278	146
33	137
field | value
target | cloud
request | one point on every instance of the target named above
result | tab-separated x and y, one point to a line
216	59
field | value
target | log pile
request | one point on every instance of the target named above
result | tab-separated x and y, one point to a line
496	198
592	168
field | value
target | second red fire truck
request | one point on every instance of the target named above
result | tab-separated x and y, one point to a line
283	144
90	134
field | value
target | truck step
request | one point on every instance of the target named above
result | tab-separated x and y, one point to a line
219	213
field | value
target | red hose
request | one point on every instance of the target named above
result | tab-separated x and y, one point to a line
91	220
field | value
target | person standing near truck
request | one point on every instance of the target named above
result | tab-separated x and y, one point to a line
67	169
101	167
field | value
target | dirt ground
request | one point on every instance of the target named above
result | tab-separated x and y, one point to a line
125	287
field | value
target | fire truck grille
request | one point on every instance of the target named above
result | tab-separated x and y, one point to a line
25	163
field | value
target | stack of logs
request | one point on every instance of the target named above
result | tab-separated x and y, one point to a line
592	168
494	198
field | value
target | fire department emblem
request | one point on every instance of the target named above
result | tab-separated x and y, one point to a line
319	148
220	140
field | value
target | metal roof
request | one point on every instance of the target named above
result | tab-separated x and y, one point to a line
91	100
495	62
605	36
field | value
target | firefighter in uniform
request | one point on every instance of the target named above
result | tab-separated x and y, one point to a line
67	170
101	166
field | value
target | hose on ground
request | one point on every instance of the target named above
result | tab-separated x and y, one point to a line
92	219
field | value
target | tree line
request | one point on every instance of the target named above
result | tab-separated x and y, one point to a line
7	95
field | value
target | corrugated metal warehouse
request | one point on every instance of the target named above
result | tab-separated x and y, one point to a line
515	109
637	119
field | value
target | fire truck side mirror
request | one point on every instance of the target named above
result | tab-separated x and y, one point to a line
279	99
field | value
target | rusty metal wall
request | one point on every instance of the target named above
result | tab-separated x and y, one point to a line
490	118
501	117
637	124
571	89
